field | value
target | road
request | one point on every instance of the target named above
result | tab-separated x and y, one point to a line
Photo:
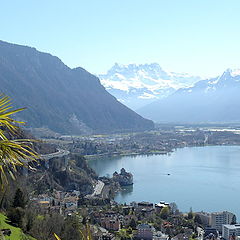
98	188
59	153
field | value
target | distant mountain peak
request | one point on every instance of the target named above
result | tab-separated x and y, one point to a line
227	73
211	100
138	84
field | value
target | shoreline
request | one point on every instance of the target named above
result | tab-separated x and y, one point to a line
91	157
99	156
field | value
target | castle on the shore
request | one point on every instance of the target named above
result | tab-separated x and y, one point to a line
124	178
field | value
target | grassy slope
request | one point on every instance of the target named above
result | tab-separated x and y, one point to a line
17	233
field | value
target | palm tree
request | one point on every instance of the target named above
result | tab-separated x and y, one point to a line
13	152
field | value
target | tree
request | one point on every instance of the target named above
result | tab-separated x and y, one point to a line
197	219
15	216
19	200
174	208
234	219
190	214
13	152
133	224
164	213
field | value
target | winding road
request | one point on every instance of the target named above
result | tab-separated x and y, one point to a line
59	153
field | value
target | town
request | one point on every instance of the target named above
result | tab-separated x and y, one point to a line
139	220
163	140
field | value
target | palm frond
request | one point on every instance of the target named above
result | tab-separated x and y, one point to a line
13	153
85	233
5	112
56	236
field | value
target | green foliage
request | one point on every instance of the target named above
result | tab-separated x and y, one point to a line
164	213
174	208
19	199
70	229
197	219
123	234
234	219
16	233
44	226
190	215
194	236
129	230
158	223
15	216
133	224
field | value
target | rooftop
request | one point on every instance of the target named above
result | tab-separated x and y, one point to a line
229	226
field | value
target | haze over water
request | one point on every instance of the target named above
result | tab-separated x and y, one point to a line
204	178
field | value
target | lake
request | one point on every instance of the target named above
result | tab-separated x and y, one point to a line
204	178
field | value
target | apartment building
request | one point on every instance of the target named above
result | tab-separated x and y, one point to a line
231	232
218	219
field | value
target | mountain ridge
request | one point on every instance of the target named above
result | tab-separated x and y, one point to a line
63	99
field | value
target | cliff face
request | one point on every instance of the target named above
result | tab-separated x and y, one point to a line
72	173
64	173
70	101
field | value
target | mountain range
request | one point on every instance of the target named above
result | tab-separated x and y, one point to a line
65	100
137	85
212	100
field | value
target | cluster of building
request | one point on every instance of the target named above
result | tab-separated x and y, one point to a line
148	232
114	221
216	225
65	203
220	224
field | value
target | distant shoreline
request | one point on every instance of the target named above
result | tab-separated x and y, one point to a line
92	157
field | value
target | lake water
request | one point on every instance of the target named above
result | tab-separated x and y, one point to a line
204	178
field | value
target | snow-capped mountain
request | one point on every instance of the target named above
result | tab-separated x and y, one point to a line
137	85
211	100
229	78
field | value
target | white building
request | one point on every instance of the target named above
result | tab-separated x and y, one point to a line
218	219
230	231
160	236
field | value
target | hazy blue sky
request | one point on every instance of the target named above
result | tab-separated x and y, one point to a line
196	36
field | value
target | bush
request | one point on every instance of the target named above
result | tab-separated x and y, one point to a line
15	216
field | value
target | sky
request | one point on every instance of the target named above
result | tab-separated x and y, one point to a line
199	37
